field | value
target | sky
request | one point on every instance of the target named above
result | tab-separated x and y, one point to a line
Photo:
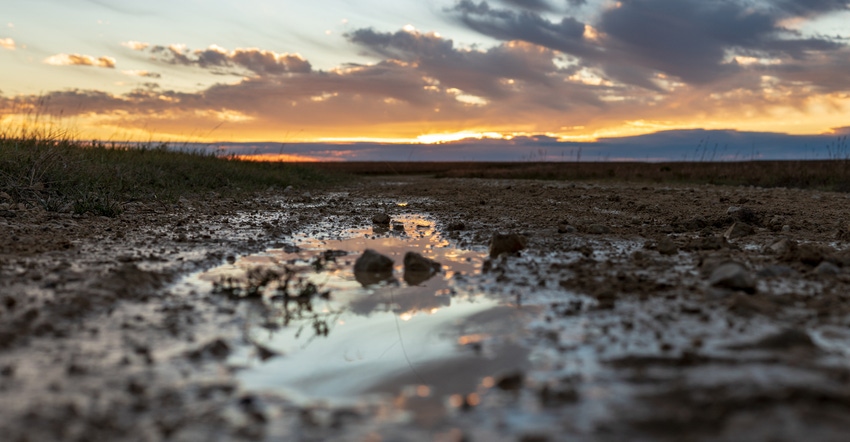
409	71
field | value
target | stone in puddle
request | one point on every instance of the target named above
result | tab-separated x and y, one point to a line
414	262
372	268
418	269
381	219
509	243
373	262
734	276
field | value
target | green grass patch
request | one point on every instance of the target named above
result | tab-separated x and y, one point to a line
59	173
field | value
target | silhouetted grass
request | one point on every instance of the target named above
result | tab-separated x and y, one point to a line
62	174
831	174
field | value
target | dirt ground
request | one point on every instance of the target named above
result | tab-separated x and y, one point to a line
660	313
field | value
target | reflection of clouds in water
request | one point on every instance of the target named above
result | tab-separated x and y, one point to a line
400	302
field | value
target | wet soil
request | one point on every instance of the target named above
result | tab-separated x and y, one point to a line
634	312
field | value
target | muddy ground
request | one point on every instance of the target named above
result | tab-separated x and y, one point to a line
654	313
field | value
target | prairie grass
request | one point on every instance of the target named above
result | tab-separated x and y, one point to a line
832	174
59	173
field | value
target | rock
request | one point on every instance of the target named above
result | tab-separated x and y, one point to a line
511	382
598	229
843	233
372	268
708	243
414	262
381	219
418	269
566	228
455	225
216	349
373	262
398	227
827	268
693	224
743	214
775	271
738	230
734	276
288	190
782	246
509	243
667	246
809	254
787	339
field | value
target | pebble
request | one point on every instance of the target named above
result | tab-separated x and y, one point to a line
667	246
598	229
827	268
509	243
738	230
455	225
373	262
734	276
566	228
381	219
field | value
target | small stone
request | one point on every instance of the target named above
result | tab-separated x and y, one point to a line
775	271
217	349
398	227
566	228
414	262
455	225
712	242
598	229
738	230
509	243
782	246
734	276
827	268
381	219
511	382
373	262
667	246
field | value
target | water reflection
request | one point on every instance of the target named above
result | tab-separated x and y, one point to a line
344	336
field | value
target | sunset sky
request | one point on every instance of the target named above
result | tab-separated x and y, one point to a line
424	71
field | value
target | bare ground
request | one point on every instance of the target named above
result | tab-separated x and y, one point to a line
668	340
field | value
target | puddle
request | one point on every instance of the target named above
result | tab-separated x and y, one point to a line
435	342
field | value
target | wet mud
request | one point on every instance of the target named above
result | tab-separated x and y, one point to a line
558	311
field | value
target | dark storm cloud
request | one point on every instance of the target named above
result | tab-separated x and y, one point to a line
807	8
261	62
504	24
534	5
479	72
688	39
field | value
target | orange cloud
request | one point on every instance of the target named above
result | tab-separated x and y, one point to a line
7	43
80	60
141	73
135	45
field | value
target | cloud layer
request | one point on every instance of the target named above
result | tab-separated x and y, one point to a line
80	60
632	67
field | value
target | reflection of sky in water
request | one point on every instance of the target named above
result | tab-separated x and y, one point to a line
379	337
